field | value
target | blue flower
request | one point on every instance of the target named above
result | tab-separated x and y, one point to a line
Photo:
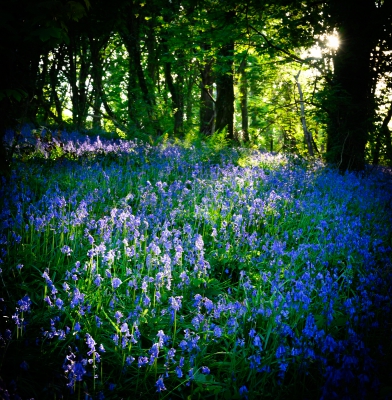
243	392
98	279
280	351
66	250
59	303
116	282
175	302
179	372
24	365
205	370
160	385
142	361
217	332
129	360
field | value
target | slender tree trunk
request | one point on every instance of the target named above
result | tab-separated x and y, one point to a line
83	75
53	77
207	107
72	78
96	46
132	42
307	135
243	87
176	91
383	135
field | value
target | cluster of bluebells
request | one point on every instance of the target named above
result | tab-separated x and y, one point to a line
167	260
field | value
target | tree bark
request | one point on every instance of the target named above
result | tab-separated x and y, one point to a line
243	87
207	106
176	91
307	135
225	91
351	108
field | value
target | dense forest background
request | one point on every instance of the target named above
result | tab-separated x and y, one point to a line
264	74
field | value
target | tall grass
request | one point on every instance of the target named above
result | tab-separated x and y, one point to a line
137	271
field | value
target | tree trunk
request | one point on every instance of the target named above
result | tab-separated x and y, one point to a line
351	108
307	135
225	91
207	106
96	46
243	87
383	135
176	91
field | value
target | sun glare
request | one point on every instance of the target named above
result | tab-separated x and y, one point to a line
333	41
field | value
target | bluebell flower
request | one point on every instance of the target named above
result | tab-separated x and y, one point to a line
217	332
257	342
160	385
116	282
142	361
97	280
66	250
171	353
59	303
175	302
118	315
243	391
129	360
24	365
115	338
280	351
48	301
179	372
90	344
199	244
205	370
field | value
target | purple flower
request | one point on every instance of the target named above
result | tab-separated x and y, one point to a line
59	303
118	315
78	371
160	385
243	392
98	279
116	282
129	360
179	372
257	342
199	244
205	370
24	365
281	351
142	361
66	250
175	302
115	339
24	304
90	343
217	332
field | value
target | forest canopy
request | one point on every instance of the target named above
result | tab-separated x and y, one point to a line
309	77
